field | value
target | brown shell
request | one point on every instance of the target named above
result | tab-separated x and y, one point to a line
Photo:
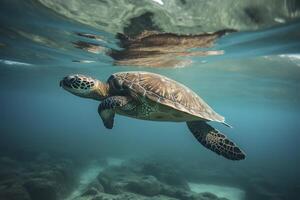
164	91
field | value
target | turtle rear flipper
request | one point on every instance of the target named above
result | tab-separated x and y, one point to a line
215	141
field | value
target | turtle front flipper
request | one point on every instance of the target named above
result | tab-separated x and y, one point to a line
108	106
215	141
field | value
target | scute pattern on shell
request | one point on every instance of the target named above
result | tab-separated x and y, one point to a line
165	91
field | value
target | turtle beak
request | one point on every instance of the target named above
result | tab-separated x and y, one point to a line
60	83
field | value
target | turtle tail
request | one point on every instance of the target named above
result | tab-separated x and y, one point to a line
226	124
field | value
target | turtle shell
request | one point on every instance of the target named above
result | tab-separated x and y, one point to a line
164	91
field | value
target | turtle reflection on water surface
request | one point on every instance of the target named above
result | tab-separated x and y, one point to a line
156	49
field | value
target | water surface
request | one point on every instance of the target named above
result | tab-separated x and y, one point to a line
255	85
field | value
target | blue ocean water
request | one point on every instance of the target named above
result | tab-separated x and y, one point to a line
255	85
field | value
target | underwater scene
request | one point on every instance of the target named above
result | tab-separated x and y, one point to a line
127	100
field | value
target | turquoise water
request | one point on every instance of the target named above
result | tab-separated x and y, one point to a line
255	85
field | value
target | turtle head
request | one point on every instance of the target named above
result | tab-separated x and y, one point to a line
85	86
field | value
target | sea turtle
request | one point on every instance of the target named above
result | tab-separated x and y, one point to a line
150	96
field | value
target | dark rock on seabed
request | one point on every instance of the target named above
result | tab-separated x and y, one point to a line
141	181
42	178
